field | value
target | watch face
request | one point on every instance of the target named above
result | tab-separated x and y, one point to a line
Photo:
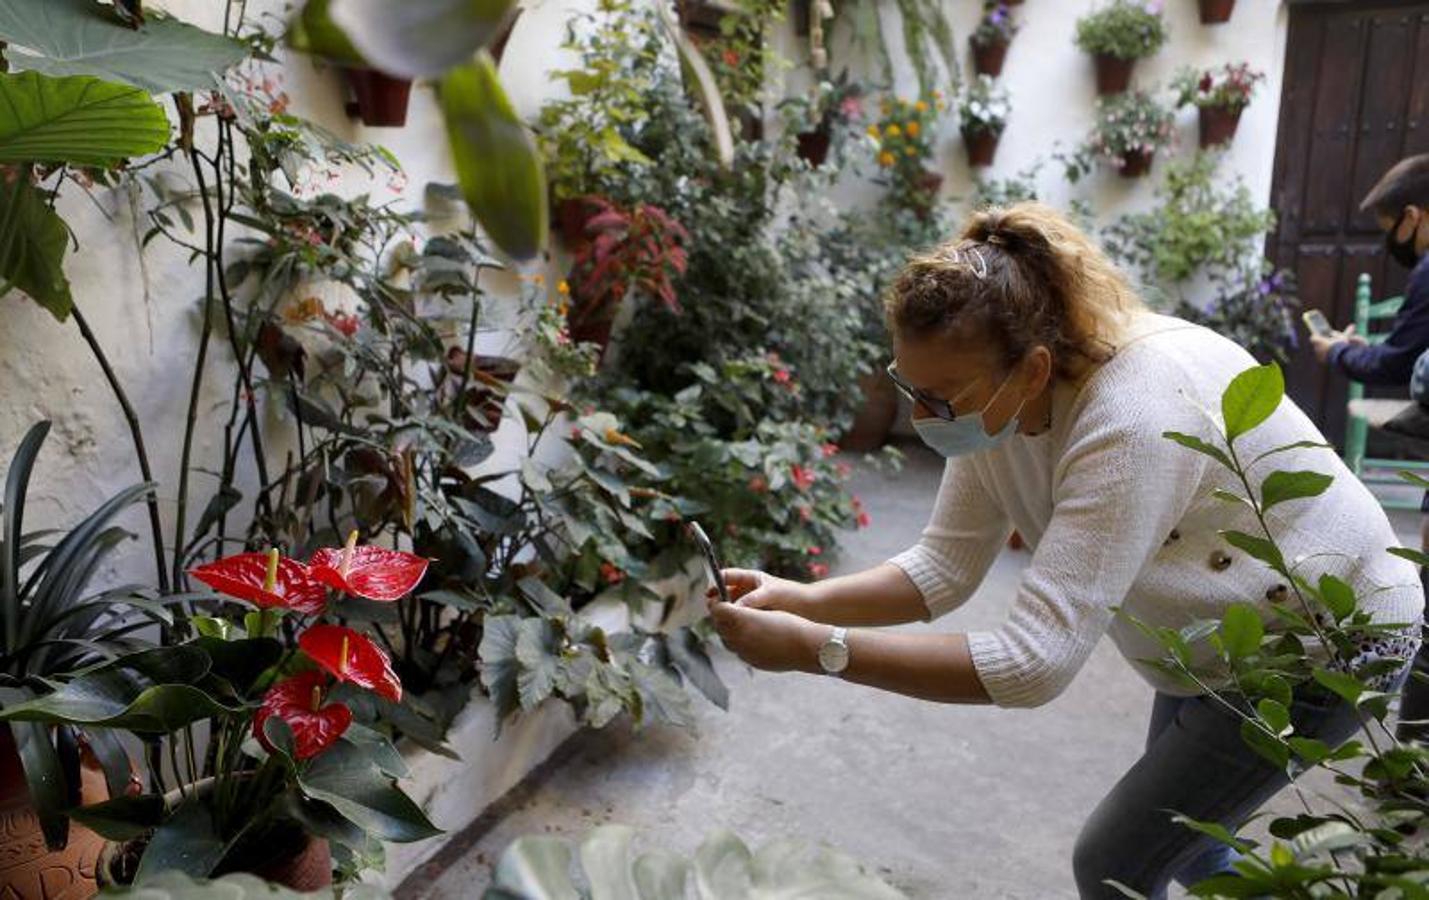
833	657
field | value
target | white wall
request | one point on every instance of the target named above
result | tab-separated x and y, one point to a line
145	313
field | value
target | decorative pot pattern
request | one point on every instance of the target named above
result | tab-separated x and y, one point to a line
29	870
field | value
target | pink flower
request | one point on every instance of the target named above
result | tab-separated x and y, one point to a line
782	376
829	450
805	514
611	573
803	478
758	485
818	570
814	550
862	519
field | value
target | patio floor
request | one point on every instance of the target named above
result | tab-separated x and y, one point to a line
942	801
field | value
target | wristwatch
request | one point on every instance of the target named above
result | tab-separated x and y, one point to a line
833	653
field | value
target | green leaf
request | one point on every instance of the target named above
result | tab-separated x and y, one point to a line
122	818
187	842
1298	445
33	241
77	120
662	698
605	859
45	779
538	652
1311	750
1258	547
1281	486
1346	686
1418	557
1214	830
688	654
420	38
1267	746
537	868
1275	715
1250	398
1200	446
347	779
498	663
661	873
80	37
1338	597
313	31
1241	631
498	165
1327	838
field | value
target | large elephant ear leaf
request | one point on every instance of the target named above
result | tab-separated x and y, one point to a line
81	37
33	240
77	120
420	38
497	163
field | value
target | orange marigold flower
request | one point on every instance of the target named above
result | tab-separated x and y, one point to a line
893	130
885	159
912	128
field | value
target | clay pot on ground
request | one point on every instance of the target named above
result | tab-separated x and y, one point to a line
1136	163
874	419
1113	73
814	145
982	146
930	183
1218	125
28	869
988	58
1214	12
379	99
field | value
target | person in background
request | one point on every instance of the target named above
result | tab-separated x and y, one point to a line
1400	203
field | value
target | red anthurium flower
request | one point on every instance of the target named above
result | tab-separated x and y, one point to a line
351	657
298	701
370	572
265	579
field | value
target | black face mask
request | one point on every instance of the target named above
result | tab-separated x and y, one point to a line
1402	252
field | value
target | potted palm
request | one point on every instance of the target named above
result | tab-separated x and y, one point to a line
1219	95
1129	130
983	109
991	37
1119	34
285	765
53	624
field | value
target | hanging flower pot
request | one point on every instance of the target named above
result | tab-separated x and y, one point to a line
1136	163
814	145
1218	124
928	184
1113	73
988	57
981	146
379	99
1214	12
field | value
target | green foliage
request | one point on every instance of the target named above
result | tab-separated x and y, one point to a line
1198	226
33	243
78	120
1126	124
1125	29
540	868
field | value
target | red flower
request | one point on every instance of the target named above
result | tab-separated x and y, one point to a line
818	570
843	469
351	657
345	323
370	572
814	550
298	701
862	519
782	376
805	514
1207	82
803	478
266	580
611	573
731	58
829	449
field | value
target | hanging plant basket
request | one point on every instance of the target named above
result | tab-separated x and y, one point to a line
1113	74
988	58
981	146
1218	125
379	99
1214	12
814	145
1136	163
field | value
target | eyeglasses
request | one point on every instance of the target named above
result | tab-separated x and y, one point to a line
939	407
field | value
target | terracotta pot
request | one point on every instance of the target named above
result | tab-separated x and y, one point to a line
814	145
29	870
1214	12
988	58
1113	73
380	100
982	146
874	420
308	868
1218	125
930	183
1136	163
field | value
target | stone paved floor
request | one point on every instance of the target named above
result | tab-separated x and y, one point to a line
943	801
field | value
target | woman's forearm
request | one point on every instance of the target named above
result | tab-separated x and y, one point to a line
882	595
936	667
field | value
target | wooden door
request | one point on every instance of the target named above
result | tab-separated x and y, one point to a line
1354	102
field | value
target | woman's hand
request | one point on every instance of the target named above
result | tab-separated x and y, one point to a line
768	639
760	590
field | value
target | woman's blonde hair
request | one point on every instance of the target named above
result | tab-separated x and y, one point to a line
1019	276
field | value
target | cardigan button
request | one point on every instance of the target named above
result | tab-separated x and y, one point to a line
1220	560
1278	594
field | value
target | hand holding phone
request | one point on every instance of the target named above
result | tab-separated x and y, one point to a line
711	561
1317	323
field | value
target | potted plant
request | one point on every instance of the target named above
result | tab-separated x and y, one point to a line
53	625
982	115
1255	308
903	143
378	99
1219	96
1119	34
817	118
990	39
309	778
1214	12
1130	128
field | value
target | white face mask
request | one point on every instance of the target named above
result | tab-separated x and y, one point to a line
966	434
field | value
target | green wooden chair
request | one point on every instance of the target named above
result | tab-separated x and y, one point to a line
1378	474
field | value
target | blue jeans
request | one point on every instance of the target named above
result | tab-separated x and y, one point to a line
1195	764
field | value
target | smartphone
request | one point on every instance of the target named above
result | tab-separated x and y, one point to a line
1317	323
711	561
